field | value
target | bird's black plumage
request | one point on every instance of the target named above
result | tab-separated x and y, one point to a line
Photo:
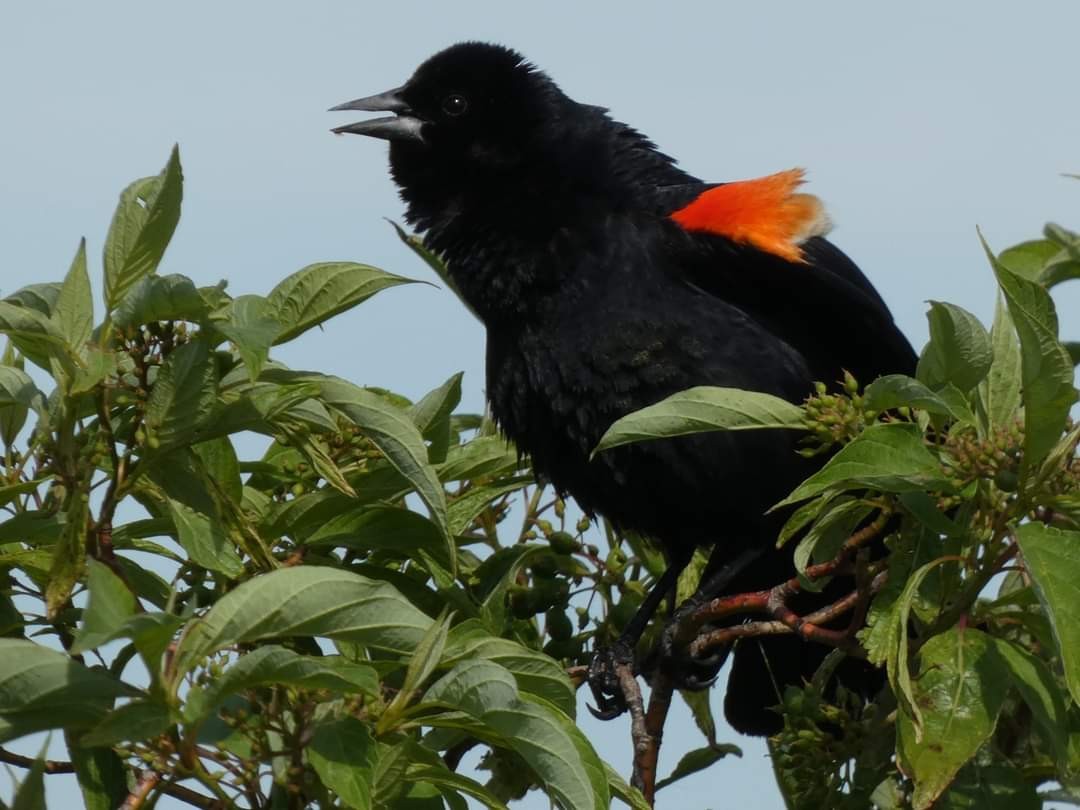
556	225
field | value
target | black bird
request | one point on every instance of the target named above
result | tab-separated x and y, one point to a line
608	279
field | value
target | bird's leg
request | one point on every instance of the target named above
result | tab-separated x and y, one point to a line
603	669
687	671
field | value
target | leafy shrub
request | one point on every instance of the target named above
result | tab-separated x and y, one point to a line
338	622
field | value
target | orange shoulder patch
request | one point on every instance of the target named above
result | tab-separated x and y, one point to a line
766	213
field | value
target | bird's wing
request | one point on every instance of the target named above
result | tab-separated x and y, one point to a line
759	244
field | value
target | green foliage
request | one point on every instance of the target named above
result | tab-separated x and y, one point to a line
336	614
336	617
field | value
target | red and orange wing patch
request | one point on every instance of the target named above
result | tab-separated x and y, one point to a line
766	213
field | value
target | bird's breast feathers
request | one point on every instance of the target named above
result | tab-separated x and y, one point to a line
766	212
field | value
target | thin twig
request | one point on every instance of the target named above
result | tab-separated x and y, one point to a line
758	601
785	621
638	734
659	703
51	766
184	794
147	782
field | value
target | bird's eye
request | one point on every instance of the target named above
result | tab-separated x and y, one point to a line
455	104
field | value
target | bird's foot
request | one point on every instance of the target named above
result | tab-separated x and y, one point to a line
604	679
686	670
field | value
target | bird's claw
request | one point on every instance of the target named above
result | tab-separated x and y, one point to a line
604	680
687	671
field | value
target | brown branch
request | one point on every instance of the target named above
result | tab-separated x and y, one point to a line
759	601
786	621
192	797
51	766
147	778
659	703
643	774
147	782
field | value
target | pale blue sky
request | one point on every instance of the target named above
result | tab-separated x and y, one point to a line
916	121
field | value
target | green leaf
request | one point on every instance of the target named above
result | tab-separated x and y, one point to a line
320	291
111	603
69	557
433	771
698	760
410	762
35	335
160	298
960	689
701	709
184	397
622	791
889	630
999	393
888	457
151	633
251	324
204	539
1029	259
924	509
96	365
206	522
383	527
30	794
464	509
535	673
387	425
133	722
959	350
827	535
343	754
273	664
556	750
393	432
39	297
432	416
484	455
1039	689
221	465
541	734
141	228
896	390
803	516
1052	558
422	663
1047	369
474	686
703	409
12	491
1065	264
993	787
305	601
18	395
416	245
1065	268
74	312
101	774
42	689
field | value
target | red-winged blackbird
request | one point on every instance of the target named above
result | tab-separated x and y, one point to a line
608	279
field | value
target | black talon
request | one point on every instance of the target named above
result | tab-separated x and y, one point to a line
604	679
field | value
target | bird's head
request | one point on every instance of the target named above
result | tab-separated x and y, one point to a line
472	108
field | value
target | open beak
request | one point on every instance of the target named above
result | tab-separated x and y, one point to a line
403	125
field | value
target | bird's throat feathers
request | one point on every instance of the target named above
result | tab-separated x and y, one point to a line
766	212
